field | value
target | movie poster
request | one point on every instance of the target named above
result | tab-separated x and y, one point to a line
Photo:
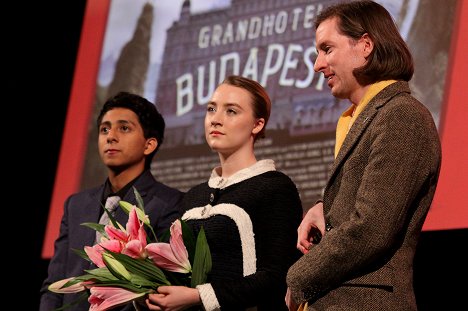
175	53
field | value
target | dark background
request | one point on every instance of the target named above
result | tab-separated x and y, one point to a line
41	48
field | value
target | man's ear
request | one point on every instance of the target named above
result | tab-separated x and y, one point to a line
151	145
368	44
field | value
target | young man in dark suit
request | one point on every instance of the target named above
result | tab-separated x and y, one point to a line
131	130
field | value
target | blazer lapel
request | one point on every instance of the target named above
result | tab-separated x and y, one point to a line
91	212
363	121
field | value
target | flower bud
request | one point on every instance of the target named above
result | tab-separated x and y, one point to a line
116	267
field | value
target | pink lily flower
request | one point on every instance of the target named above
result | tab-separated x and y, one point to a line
173	256
133	224
103	297
133	229
136	248
95	252
133	239
136	243
116	234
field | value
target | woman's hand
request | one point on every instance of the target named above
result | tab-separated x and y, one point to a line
173	298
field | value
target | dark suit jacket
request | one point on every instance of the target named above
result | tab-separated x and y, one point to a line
161	203
379	192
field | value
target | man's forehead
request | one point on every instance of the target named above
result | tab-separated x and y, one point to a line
326	31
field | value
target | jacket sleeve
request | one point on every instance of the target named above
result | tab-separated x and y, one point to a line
57	266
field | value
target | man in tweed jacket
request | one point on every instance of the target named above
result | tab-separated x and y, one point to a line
359	241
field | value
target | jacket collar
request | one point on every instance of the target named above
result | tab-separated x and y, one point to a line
218	182
365	118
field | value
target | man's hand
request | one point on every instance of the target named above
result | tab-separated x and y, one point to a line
292	306
311	229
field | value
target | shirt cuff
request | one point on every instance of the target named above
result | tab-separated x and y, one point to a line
208	297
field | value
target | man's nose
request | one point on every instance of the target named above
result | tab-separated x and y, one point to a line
319	64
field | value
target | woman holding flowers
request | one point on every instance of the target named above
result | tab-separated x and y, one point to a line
249	211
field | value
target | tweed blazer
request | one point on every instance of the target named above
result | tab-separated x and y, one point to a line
375	202
161	203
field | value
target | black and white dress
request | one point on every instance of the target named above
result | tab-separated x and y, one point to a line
250	220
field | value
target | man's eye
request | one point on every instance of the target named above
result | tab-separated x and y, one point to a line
104	130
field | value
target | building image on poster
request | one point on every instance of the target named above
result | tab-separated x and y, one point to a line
176	52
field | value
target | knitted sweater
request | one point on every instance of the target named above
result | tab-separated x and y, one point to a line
250	220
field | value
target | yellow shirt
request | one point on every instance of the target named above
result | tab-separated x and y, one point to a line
348	117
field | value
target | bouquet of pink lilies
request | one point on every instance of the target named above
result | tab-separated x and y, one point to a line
129	266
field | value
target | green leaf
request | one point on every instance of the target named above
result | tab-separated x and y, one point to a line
143	282
111	218
102	273
98	275
73	281
202	261
99	227
142	267
92	278
139	199
81	253
127	285
103	277
95	226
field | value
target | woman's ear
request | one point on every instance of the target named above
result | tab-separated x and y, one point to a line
258	126
151	145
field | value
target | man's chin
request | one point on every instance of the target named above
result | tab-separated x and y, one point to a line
336	93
